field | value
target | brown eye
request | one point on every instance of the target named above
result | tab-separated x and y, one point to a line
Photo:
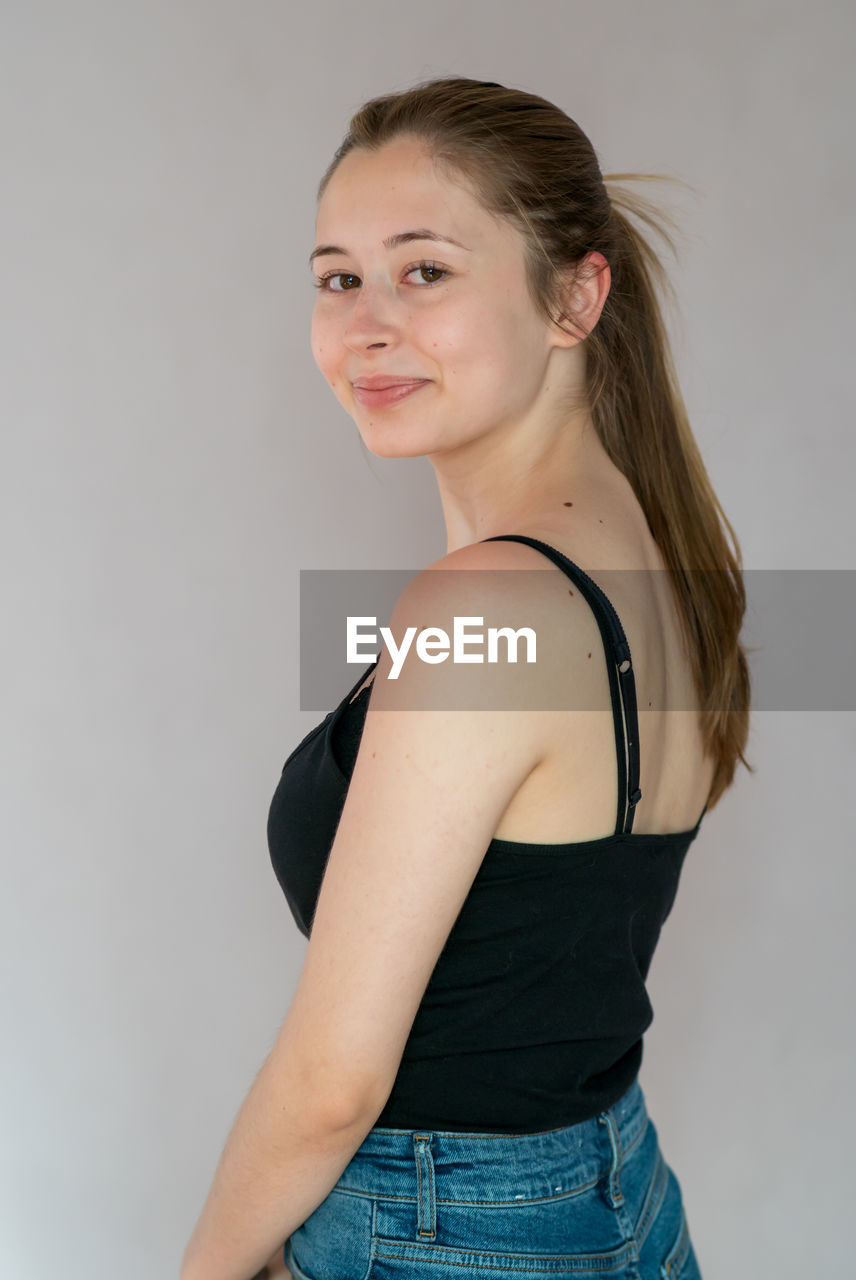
321	282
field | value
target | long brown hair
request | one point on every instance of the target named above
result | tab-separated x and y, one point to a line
526	161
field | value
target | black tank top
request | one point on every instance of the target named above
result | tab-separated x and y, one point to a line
534	1013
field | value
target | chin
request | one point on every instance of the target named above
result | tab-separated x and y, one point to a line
385	447
394	438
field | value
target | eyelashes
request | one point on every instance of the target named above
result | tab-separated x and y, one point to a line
321	282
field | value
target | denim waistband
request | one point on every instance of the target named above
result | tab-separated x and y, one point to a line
496	1167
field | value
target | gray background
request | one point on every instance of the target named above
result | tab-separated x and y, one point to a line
171	458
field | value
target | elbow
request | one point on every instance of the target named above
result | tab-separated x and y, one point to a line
329	1100
345	1102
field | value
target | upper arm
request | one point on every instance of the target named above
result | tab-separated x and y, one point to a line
427	792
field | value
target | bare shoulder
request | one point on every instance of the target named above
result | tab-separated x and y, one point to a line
475	588
502	609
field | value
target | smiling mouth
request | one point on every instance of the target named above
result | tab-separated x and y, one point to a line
378	397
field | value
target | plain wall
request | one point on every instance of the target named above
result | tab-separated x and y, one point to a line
172	457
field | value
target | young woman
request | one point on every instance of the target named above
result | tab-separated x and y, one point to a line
454	1089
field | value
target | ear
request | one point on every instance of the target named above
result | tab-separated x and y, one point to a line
586	289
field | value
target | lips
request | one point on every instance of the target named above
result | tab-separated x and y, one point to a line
379	397
381	383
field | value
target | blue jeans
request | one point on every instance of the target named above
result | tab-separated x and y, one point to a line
595	1198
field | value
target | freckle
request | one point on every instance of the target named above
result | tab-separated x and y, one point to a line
567	504
600	522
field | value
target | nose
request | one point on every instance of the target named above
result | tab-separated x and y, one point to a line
373	319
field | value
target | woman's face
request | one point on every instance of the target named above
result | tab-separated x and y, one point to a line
467	326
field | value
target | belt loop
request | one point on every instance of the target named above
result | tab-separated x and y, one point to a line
426	1227
614	1196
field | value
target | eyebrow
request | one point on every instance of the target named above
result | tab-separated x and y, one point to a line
392	242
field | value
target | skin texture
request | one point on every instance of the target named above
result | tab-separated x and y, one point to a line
495	422
274	1269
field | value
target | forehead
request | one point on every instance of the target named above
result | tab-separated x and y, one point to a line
373	194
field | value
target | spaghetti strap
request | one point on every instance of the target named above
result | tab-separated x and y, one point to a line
622	682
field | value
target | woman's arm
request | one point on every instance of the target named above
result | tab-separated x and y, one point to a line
274	1268
426	794
285	1153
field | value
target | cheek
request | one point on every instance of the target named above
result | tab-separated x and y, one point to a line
485	353
327	353
463	339
319	340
